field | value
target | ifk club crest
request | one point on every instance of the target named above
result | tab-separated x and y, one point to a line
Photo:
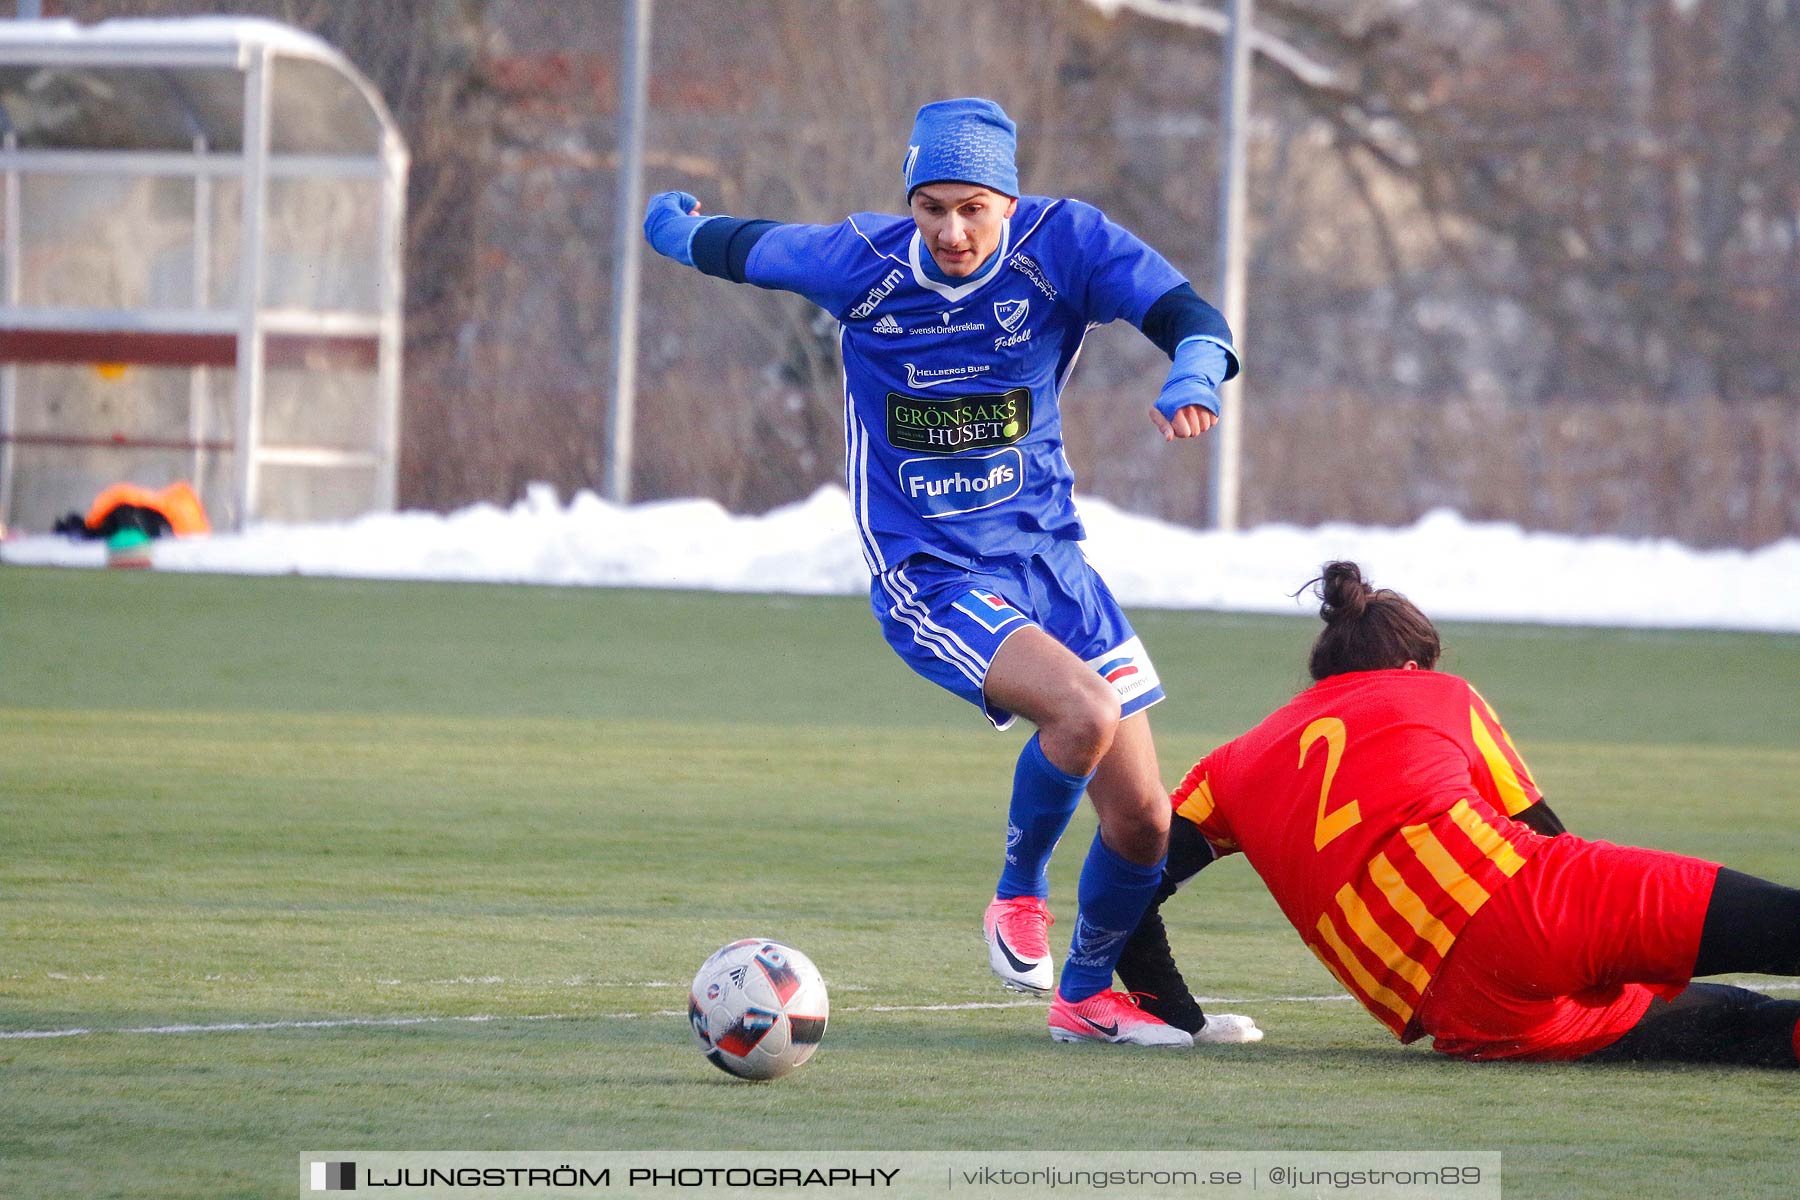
1011	313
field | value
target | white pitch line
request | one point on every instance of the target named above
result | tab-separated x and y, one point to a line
399	1022
888	1008
396	1022
1331	999
256	1026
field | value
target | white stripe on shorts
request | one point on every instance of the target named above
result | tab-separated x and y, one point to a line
907	612
912	590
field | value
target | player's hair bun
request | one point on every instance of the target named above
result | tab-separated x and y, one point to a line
1367	628
1343	592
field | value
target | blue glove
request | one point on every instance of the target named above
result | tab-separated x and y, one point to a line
669	228
1193	377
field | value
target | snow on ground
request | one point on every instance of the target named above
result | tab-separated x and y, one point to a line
1455	569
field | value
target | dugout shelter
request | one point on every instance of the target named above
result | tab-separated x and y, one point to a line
200	273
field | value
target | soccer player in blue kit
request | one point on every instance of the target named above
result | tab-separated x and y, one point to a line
959	325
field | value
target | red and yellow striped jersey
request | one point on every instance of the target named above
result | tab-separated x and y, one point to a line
1376	806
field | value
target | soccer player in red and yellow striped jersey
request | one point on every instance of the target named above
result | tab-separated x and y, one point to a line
1391	826
1399	830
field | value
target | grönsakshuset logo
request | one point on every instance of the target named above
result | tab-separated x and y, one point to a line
952	424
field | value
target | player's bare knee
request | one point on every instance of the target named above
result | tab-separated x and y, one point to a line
1083	730
1135	833
1072	747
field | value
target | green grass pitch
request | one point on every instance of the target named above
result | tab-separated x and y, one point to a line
234	801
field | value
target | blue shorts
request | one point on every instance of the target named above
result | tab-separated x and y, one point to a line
948	621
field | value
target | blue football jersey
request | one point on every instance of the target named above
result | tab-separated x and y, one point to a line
953	431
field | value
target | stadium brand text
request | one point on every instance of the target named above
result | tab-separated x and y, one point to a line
953	424
877	294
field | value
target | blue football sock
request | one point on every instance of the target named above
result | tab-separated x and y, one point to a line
1043	800
1114	893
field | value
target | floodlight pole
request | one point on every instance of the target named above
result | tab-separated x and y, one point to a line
627	242
252	268
12	256
1228	445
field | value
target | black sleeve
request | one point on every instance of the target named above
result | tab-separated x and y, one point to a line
1189	851
1541	818
1147	964
1179	314
722	247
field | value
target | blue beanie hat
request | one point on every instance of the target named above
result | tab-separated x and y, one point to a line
966	141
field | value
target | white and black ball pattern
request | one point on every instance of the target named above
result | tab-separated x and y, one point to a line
758	1008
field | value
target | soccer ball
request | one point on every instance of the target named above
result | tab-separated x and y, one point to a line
758	1008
